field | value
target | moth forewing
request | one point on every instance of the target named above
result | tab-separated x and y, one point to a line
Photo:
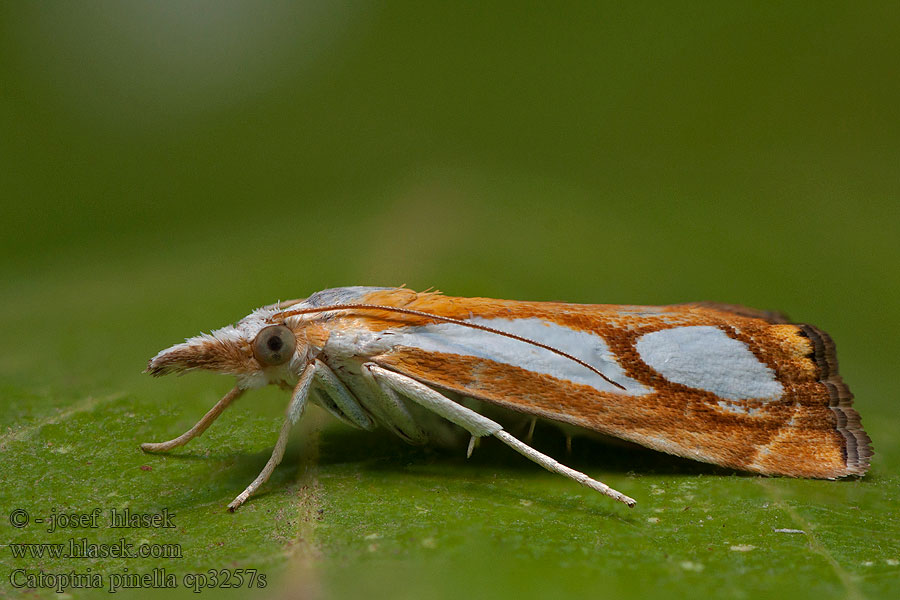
723	384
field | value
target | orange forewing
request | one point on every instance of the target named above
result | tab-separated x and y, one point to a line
811	431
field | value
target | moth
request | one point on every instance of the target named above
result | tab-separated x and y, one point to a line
722	384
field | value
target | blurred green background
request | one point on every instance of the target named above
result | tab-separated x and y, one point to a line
167	167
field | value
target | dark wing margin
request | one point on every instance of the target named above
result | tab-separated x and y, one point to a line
858	445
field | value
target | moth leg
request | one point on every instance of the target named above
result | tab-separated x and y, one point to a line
392	413
473	442
294	410
530	435
197	429
338	400
479	425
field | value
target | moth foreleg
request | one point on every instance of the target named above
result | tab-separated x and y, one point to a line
340	401
479	425
199	427
294	410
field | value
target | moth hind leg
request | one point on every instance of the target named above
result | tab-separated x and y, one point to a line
479	425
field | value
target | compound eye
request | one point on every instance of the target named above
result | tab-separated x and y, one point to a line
274	345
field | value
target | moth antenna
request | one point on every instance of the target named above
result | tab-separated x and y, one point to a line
419	313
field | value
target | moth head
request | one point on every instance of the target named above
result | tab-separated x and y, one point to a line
256	350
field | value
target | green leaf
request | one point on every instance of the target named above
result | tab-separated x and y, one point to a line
620	153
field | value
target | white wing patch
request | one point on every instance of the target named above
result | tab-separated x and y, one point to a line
589	347
705	358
